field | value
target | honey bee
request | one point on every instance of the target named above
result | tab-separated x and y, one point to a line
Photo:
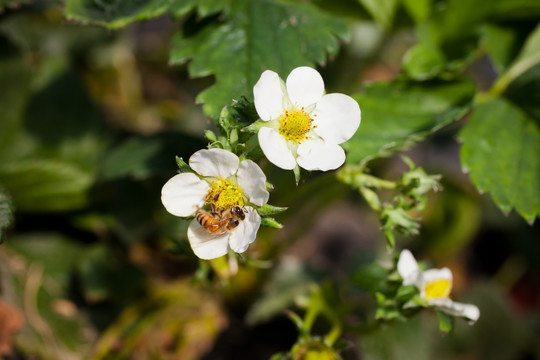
219	222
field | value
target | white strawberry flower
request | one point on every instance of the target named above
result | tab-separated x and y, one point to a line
301	125
435	286
221	181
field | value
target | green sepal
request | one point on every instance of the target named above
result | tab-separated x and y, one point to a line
225	119
415	302
371	198
296	171
390	240
406	293
233	137
255	127
446	322
184	167
270	222
268	209
210	135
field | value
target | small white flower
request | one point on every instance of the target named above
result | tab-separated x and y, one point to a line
435	286
302	125
223	181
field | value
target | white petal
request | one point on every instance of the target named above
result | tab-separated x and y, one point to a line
183	194
407	267
468	311
205	245
275	148
214	162
268	96
337	117
437	274
246	231
305	86
252	181
319	155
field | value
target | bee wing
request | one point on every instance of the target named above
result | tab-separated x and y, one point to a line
202	235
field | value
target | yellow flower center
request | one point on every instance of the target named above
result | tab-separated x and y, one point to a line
439	288
224	194
294	125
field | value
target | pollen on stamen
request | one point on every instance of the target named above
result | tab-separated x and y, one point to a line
295	125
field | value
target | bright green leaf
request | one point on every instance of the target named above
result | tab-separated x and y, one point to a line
258	35
500	149
399	114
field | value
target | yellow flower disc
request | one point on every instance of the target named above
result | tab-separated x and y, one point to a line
224	194
294	125
439	288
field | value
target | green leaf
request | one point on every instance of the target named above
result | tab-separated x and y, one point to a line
50	141
397	115
46	185
114	14
446	322
500	149
6	213
256	35
381	10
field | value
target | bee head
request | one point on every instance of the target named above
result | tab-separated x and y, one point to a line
237	211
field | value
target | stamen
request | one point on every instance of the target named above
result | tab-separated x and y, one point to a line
294	125
224	194
439	288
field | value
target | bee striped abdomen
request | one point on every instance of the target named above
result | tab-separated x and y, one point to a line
208	222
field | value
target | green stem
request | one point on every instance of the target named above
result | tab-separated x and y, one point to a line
513	73
310	317
355	177
334	334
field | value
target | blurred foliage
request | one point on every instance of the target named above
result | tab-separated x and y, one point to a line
92	117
